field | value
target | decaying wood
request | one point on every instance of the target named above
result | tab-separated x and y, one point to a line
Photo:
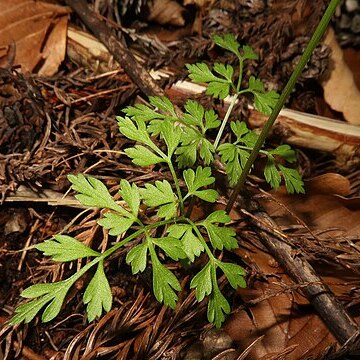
316	132
117	48
338	320
50	197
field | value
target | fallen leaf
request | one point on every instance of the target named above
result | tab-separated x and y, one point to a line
199	3
352	58
203	6
275	307
283	316
166	12
38	30
322	207
340	90
329	183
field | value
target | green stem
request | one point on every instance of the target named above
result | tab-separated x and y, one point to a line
117	246
177	186
202	240
241	69
315	39
264	152
226	118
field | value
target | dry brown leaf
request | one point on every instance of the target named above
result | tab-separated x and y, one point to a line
291	328
352	58
340	90
199	3
323	206
166	12
329	183
203	5
39	32
286	319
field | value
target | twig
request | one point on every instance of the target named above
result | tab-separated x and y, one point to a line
328	307
117	48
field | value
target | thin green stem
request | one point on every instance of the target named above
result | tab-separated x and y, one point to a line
315	39
177	186
241	69
202	240
226	118
250	149
118	245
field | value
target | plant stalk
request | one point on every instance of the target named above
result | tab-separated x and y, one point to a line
315	39
177	186
226	118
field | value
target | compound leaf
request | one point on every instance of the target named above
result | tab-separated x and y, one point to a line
234	159
134	130
293	181
234	273
64	248
163	103
140	112
131	195
201	178
160	194
171	134
218	307
92	192
202	283
164	283
115	223
272	175
218	216
192	246
142	156
248	53
220	237
195	113
52	294
285	151
98	295
172	247
211	120
190	143
137	257
239	128
264	101
228	42
227	71
217	87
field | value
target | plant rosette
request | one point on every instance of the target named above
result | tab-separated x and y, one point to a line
182	145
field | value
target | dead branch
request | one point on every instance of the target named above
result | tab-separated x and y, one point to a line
117	48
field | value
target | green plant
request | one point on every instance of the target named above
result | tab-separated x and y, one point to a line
175	141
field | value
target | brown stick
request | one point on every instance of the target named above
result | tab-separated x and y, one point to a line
120	52
328	307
